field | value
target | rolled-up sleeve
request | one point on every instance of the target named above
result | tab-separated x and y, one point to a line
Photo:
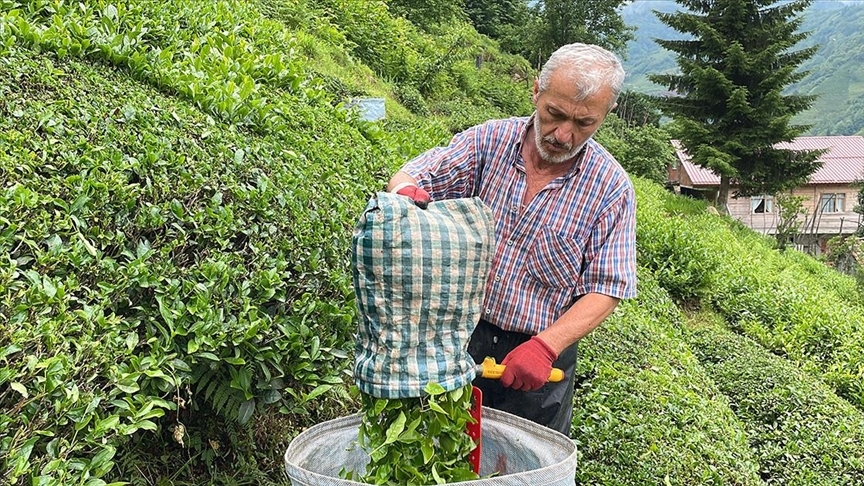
611	256
447	172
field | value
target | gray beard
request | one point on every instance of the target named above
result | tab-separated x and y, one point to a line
545	154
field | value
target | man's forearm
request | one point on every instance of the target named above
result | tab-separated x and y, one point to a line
586	314
400	178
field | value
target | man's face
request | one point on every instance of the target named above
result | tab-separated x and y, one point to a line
562	125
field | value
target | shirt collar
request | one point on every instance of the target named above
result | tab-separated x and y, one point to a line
518	162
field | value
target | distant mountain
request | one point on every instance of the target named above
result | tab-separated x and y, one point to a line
836	71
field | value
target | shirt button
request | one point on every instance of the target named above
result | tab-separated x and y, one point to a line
510	242
488	311
497	278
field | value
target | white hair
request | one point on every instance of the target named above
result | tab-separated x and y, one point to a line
590	67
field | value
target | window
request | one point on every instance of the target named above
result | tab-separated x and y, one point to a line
832	203
761	204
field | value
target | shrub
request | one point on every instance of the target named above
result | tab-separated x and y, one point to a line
756	289
163	269
645	411
798	429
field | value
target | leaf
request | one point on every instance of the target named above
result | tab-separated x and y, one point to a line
437	408
428	452
246	411
87	245
146	425
270	396
11	349
111	12
143	248
20	389
395	429
434	389
48	287
318	391
103	456
436	476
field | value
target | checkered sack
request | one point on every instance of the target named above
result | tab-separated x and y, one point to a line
419	277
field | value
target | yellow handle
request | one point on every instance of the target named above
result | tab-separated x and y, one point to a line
492	370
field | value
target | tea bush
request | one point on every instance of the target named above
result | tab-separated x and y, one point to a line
646	412
158	265
791	311
671	248
798	429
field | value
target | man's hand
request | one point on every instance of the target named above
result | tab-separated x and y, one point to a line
528	366
420	197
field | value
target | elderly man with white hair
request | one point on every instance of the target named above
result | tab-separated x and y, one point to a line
564	224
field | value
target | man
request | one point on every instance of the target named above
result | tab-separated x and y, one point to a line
564	224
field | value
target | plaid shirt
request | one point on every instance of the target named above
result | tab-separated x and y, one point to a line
575	237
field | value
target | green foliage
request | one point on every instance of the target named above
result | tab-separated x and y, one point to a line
551	24
800	432
728	97
411	99
791	208
424	13
637	109
156	256
846	255
643	150
672	248
801	314
646	413
495	18
416	440
438	61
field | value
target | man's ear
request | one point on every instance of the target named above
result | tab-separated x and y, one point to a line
613	107
536	91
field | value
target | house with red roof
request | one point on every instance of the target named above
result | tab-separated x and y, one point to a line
830	194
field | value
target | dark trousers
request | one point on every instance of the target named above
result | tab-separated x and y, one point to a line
551	405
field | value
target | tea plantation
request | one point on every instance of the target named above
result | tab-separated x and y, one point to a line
178	186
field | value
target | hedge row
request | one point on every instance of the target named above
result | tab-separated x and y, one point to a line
646	412
799	430
160	267
696	255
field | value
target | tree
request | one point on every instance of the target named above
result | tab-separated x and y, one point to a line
638	109
791	209
643	150
424	13
492	18
589	21
728	98
550	24
859	206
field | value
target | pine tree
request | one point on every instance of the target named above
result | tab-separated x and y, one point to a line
728	99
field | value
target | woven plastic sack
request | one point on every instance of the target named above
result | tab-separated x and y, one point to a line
520	451
419	277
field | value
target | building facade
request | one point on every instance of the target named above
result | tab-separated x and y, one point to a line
829	196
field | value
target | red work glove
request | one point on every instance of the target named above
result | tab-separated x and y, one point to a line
420	197
529	365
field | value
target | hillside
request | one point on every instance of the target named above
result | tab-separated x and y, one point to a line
836	70
179	182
